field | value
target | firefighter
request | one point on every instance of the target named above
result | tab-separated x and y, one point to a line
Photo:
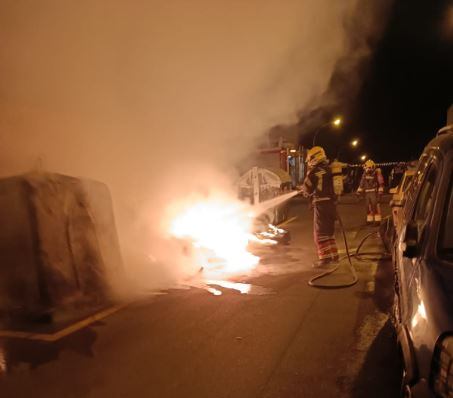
372	186
318	185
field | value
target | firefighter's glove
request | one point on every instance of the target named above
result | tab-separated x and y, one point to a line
304	192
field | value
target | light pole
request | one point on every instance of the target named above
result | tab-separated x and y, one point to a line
335	123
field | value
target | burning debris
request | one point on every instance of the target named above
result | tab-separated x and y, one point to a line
218	233
271	236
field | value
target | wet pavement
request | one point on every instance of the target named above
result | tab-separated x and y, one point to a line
265	335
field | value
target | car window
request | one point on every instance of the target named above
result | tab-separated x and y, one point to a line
423	163
425	197
413	186
407	181
446	233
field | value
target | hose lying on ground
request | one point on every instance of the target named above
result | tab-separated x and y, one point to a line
356	255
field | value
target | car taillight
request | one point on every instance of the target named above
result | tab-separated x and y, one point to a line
442	368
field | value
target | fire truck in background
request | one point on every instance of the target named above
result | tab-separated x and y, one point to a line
283	157
269	173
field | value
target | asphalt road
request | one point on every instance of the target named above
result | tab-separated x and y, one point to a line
283	339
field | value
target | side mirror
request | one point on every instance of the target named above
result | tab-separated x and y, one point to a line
411	240
397	203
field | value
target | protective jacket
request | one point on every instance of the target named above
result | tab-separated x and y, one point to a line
372	181
337	167
319	183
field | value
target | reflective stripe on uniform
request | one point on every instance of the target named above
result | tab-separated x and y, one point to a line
327	248
320	199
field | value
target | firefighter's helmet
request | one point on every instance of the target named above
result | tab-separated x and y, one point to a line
316	155
369	165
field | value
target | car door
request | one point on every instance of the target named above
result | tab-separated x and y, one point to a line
416	224
406	215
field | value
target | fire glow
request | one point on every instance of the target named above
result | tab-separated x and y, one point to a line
219	230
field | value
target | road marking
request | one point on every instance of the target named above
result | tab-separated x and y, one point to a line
370	286
287	221
51	337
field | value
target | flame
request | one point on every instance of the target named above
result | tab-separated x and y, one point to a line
219	230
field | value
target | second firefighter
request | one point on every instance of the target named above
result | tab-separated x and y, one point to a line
372	186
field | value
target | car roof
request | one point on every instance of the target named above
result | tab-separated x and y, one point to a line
445	130
443	142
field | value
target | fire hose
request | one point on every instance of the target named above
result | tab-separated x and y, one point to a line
349	256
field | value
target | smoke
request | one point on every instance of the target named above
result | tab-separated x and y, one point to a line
158	99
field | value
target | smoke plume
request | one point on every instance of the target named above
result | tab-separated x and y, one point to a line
158	99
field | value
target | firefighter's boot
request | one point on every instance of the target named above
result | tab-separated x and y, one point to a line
325	262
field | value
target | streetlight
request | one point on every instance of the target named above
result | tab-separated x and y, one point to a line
354	144
363	158
335	123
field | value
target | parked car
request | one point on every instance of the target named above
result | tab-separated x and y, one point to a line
399	196
396	175
423	306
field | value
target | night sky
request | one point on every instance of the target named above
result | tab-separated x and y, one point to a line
407	86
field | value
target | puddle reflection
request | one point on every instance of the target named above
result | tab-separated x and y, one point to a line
243	288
